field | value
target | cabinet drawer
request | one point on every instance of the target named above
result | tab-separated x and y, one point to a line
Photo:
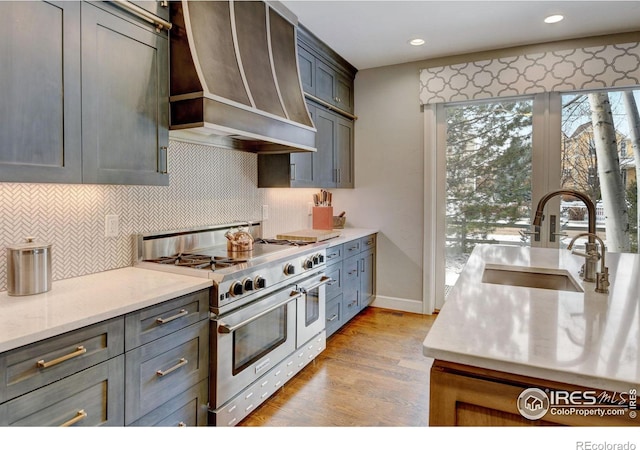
350	305
352	248
334	287
188	409
334	254
94	396
36	365
350	274
334	315
368	242
162	369
160	320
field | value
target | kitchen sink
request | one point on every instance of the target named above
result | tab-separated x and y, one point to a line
532	277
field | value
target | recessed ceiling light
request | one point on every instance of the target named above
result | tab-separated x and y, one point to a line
553	19
416	42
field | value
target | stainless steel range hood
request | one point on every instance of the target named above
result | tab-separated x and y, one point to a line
235	80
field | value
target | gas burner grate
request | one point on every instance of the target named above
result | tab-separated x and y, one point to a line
195	261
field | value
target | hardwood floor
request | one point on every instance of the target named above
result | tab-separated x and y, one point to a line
372	373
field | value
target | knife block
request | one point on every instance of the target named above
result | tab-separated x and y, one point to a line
322	217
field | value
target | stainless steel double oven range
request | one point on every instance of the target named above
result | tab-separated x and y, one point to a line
267	310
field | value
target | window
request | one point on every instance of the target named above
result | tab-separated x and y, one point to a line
494	158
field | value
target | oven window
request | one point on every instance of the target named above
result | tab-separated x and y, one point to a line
258	338
312	306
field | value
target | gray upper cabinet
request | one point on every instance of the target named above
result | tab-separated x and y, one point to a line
335	149
307	66
124	99
334	87
290	169
40	129
83	94
327	80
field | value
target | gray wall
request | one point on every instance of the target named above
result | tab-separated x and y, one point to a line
390	166
389	179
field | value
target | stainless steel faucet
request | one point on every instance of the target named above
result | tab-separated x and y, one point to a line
589	270
602	277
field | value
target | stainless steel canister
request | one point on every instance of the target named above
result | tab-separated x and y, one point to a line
28	268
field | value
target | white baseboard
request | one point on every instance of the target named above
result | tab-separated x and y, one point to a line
399	304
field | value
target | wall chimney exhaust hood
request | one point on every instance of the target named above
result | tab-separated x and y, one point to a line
235	81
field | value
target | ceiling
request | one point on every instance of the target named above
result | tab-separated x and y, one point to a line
374	33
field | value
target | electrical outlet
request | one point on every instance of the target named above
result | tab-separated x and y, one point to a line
309	208
265	212
111	225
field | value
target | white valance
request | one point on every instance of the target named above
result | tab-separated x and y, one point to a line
606	66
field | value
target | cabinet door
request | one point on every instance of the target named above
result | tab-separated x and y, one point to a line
40	99
124	100
367	277
303	164
307	66
344	93
326	123
344	153
325	82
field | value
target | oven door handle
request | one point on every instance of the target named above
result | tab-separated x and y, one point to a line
323	281
225	328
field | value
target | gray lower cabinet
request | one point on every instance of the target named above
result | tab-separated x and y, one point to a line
91	397
161	370
352	266
35	365
167	356
149	367
187	409
83	94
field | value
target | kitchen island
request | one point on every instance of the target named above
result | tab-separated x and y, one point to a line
492	341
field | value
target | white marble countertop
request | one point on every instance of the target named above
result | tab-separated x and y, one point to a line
77	302
582	338
348	234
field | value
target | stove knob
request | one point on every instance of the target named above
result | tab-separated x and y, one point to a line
320	258
260	283
236	289
289	269
316	259
248	284
307	264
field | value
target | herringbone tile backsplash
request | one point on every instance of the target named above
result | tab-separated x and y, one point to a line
207	186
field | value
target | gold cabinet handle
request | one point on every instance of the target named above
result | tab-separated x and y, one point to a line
181	363
183	312
80	415
80	350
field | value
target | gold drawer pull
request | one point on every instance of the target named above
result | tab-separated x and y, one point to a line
183	312
80	415
181	363
80	350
